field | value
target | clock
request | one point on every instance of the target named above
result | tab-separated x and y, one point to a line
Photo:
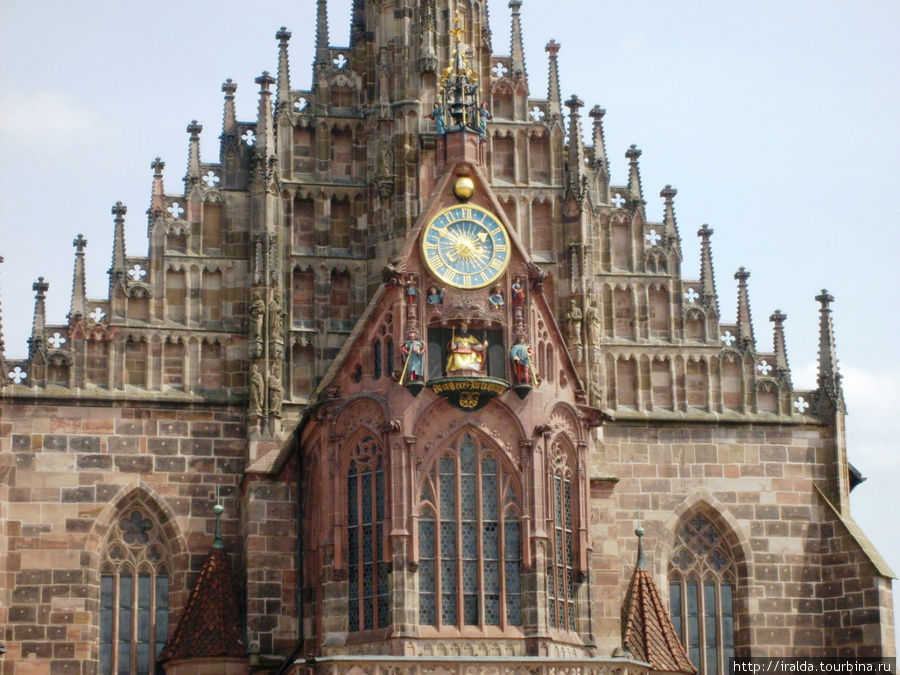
466	247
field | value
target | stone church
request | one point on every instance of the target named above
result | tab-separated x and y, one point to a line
406	383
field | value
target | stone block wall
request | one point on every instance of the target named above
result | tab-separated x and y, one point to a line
68	472
805	584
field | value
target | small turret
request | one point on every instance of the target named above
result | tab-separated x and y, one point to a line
554	97
321	35
36	341
193	169
781	360
744	323
157	192
283	98
117	271
428	61
517	50
707	276
829	377
635	191
78	307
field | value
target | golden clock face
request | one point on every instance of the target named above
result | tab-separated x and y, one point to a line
466	247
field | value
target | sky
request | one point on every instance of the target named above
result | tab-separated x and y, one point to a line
776	121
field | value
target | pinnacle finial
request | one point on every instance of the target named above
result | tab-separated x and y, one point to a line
639	532
194	130
829	376
517	49
635	191
554	96
40	312
283	35
218	509
321	34
574	104
552	47
744	322
825	299
78	301
119	210
781	362
118	258
264	81
229	87
157	192
707	275
157	165
284	76
40	287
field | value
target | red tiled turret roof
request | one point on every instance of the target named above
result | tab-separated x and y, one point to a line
211	624
647	629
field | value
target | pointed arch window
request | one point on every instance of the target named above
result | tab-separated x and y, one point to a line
367	570
134	595
701	594
469	541
561	572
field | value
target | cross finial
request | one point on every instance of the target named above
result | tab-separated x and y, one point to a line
79	243
229	87
778	317
742	274
119	210
597	112
264	81
552	47
157	165
705	232
824	298
574	103
633	153
515	5
40	287
668	193
194	130
283	35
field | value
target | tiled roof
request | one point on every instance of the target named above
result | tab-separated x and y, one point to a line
211	624
647	628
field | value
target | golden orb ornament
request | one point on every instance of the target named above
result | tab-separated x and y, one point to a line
464	187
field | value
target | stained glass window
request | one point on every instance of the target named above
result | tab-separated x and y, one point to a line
469	553
367	573
561	575
701	595
134	595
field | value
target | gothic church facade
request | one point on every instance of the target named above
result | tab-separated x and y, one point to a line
390	389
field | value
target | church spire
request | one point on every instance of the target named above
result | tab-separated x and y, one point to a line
517	50
35	343
193	170
283	98
597	114
554	98
707	276
117	271
157	192
781	360
321	34
79	294
829	377
744	323
635	191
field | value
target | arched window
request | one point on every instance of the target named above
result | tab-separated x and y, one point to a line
561	573
701	594
367	570
134	594
469	550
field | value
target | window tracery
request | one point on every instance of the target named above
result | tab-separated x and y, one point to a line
469	541
368	597
561	573
134	594
702	577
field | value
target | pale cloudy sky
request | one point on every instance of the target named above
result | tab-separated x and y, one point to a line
776	120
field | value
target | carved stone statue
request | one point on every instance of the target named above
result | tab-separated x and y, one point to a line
257	387
276	393
592	319
573	323
257	315
276	319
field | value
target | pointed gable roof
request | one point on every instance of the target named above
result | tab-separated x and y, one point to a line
211	624
647	630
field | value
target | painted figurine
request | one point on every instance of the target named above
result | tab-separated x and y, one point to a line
414	350
518	292
411	293
495	299
520	355
483	116
435	296
437	114
466	352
